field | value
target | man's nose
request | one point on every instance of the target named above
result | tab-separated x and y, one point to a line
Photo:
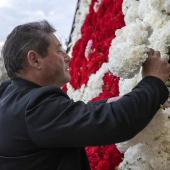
67	58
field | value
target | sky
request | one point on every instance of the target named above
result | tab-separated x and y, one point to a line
59	13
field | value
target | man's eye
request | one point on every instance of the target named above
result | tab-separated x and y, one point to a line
60	50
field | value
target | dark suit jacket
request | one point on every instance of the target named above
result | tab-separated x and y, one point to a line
42	129
3	86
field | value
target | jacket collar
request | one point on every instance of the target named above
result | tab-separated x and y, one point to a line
23	82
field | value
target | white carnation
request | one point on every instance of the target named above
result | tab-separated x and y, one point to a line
160	40
97	5
144	8
126	85
88	48
127	4
130	8
77	94
152	145
166	6
129	49
160	5
136	158
156	18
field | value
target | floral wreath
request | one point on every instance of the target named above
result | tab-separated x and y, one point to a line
109	43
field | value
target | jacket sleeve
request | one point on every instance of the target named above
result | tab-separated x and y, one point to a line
54	120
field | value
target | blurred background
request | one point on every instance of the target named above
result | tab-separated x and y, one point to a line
59	13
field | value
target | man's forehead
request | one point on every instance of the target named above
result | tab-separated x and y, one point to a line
55	40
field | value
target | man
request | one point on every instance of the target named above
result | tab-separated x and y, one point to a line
41	128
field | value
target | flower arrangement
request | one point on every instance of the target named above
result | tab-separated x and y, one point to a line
99	24
150	149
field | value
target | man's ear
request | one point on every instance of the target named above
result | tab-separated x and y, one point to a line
34	59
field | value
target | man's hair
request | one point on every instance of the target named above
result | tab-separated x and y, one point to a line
23	38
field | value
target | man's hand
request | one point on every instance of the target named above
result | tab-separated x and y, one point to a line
155	66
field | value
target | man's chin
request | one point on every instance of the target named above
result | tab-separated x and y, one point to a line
68	78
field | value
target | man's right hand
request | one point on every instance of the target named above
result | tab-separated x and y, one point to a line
156	66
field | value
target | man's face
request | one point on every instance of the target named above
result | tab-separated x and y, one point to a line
55	64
